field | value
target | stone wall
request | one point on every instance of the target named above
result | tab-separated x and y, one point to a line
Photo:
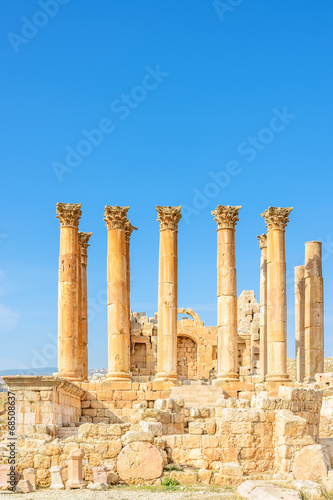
111	402
45	400
261	435
197	343
187	359
248	333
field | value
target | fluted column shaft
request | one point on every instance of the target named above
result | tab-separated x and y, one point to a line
83	301
227	356
299	322
118	313
263	304
68	292
128	231
314	310
167	294
276	219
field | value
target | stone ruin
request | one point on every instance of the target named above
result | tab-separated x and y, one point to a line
181	400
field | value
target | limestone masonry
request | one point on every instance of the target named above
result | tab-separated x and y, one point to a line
181	400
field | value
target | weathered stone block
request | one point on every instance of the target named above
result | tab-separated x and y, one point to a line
132	436
139	461
196	428
190	441
311	463
154	427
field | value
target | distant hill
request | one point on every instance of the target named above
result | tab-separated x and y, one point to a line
49	370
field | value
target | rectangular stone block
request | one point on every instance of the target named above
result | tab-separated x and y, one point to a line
190	441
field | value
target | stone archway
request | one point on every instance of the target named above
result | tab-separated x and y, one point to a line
187	365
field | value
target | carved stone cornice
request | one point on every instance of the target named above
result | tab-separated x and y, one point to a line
226	216
69	214
168	217
18	383
115	217
276	217
84	242
262	240
129	228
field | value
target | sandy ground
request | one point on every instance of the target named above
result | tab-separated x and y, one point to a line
129	493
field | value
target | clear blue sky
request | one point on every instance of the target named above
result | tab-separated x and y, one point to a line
191	90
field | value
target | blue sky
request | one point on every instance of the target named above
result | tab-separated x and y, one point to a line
182	93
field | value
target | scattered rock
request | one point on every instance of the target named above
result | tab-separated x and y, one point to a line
309	488
24	486
97	486
261	490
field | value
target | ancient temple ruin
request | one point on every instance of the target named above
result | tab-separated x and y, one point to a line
216	398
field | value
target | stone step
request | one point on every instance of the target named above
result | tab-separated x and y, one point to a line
198	395
197	389
65	432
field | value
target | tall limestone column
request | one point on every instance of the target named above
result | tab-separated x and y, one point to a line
299	322
263	304
118	313
128	232
314	311
276	219
227	369
168	218
83	301
68	293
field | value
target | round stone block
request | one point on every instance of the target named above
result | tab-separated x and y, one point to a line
139	460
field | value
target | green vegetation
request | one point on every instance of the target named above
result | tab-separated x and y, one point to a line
169	484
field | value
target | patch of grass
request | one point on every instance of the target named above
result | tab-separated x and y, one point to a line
328	495
169	484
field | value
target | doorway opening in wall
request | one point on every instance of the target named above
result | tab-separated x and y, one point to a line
187	368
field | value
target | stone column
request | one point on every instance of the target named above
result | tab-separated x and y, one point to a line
68	294
299	322
128	231
168	218
118	313
263	304
227	356
276	220
75	480
314	311
56	478
83	308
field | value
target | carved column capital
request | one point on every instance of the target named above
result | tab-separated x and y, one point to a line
84	242
129	228
226	216
168	217
262	240
276	217
69	214
116	217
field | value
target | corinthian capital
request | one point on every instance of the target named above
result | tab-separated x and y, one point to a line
262	239
276	217
84	242
226	216
168	217
129	228
69	214
116	217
